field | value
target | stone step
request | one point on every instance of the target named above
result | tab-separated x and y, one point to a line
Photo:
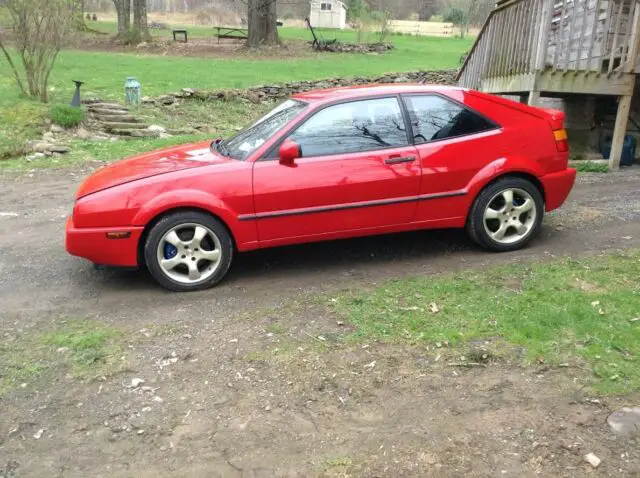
108	106
107	111
116	118
137	133
122	125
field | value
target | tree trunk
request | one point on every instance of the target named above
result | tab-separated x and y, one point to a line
123	10
140	26
262	23
127	15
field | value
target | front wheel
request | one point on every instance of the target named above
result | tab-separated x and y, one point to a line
188	251
506	215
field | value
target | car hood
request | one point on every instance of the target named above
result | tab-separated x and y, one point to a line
162	161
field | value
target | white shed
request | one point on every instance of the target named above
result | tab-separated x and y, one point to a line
328	14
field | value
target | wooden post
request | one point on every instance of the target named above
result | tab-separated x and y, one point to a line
532	23
486	52
605	35
592	37
634	44
616	31
583	29
557	54
619	131
574	15
534	98
543	35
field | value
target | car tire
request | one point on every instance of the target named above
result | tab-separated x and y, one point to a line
500	226
188	251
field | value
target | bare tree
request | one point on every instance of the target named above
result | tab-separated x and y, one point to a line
263	29
40	30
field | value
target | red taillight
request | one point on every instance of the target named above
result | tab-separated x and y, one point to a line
562	142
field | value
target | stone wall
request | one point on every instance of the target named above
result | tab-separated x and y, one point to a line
281	91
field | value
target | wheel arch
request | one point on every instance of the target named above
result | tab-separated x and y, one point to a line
478	186
167	212
532	178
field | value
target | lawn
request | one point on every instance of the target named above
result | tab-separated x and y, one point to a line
83	348
104	74
578	313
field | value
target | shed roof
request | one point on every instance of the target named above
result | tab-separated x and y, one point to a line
342	4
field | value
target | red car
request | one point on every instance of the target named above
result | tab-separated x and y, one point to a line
329	164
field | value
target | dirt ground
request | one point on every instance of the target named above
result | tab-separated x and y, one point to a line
237	383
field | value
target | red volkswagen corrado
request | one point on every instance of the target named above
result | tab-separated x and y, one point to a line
324	165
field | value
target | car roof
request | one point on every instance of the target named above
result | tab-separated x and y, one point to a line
347	92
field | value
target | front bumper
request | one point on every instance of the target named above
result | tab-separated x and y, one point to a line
94	245
557	187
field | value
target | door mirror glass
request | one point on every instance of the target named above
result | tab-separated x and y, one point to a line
289	152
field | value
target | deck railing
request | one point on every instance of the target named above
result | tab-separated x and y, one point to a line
525	36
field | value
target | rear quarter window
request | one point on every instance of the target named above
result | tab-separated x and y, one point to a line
435	118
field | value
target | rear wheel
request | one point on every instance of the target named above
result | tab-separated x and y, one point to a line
506	215
188	251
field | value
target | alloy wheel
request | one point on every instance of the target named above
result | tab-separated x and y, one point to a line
510	216
189	253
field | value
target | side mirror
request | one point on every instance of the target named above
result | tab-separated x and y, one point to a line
289	152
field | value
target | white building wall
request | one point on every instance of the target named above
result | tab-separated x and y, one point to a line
334	18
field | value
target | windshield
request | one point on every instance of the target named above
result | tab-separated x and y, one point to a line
249	140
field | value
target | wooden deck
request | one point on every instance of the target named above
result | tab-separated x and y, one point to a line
539	48
555	45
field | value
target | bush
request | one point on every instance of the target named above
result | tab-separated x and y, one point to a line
356	9
66	116
454	15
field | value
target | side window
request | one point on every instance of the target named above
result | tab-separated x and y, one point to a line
351	127
433	117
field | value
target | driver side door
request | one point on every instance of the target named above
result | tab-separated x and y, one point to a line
357	171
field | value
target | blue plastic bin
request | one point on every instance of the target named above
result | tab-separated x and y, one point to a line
628	149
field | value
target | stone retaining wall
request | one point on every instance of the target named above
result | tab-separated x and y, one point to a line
281	91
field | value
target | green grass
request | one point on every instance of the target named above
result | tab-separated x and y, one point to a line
89	344
563	311
220	118
87	348
590	167
104	74
20	121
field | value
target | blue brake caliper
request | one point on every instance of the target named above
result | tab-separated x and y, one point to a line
170	251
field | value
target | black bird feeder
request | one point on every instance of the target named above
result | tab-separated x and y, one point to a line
75	102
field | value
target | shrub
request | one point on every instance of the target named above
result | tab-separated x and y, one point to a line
39	30
66	116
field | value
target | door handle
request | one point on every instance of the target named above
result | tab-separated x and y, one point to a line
403	159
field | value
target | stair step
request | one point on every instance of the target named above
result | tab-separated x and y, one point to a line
108	106
123	125
107	111
137	133
116	118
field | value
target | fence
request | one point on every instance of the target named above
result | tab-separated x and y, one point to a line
434	29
